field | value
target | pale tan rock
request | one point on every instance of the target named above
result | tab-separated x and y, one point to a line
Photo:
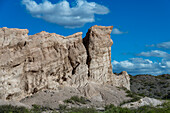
122	80
45	60
98	44
146	101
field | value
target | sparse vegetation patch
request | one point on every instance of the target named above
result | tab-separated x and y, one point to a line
77	99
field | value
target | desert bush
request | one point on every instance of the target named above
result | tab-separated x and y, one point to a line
166	86
112	109
81	110
152	86
157	94
134	96
39	109
162	82
13	109
76	99
164	108
62	108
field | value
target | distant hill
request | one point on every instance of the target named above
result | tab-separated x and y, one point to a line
151	86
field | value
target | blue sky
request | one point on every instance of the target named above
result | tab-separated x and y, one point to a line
141	33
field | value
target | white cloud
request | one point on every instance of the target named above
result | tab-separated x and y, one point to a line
142	66
164	45
136	66
117	31
62	14
155	53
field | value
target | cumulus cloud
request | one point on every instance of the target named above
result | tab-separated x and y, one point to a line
136	66
62	14
155	53
164	45
117	31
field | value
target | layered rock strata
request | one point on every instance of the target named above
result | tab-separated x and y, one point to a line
98	44
47	60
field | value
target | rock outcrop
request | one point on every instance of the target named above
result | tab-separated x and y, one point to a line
146	101
121	80
98	44
47	60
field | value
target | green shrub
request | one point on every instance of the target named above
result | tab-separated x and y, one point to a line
13	109
164	108
150	90
62	107
36	108
81	110
112	109
134	96
39	109
157	94
162	82
166	86
152	86
76	99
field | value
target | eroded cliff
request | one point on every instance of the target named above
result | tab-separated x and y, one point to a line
47	60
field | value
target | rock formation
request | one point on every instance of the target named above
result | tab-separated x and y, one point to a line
98	44
47	60
122	80
146	101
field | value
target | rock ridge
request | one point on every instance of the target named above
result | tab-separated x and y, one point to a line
48	60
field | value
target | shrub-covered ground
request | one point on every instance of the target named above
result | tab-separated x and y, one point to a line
76	99
165	108
151	86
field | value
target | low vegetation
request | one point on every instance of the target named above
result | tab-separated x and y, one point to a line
77	100
64	109
151	86
165	108
134	97
13	109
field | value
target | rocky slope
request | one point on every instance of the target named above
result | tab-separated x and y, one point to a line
29	64
98	96
146	101
151	86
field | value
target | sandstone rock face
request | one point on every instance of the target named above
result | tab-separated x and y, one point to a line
122	80
47	60
98	44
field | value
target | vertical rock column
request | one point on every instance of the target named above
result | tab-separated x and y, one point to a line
12	57
98	45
